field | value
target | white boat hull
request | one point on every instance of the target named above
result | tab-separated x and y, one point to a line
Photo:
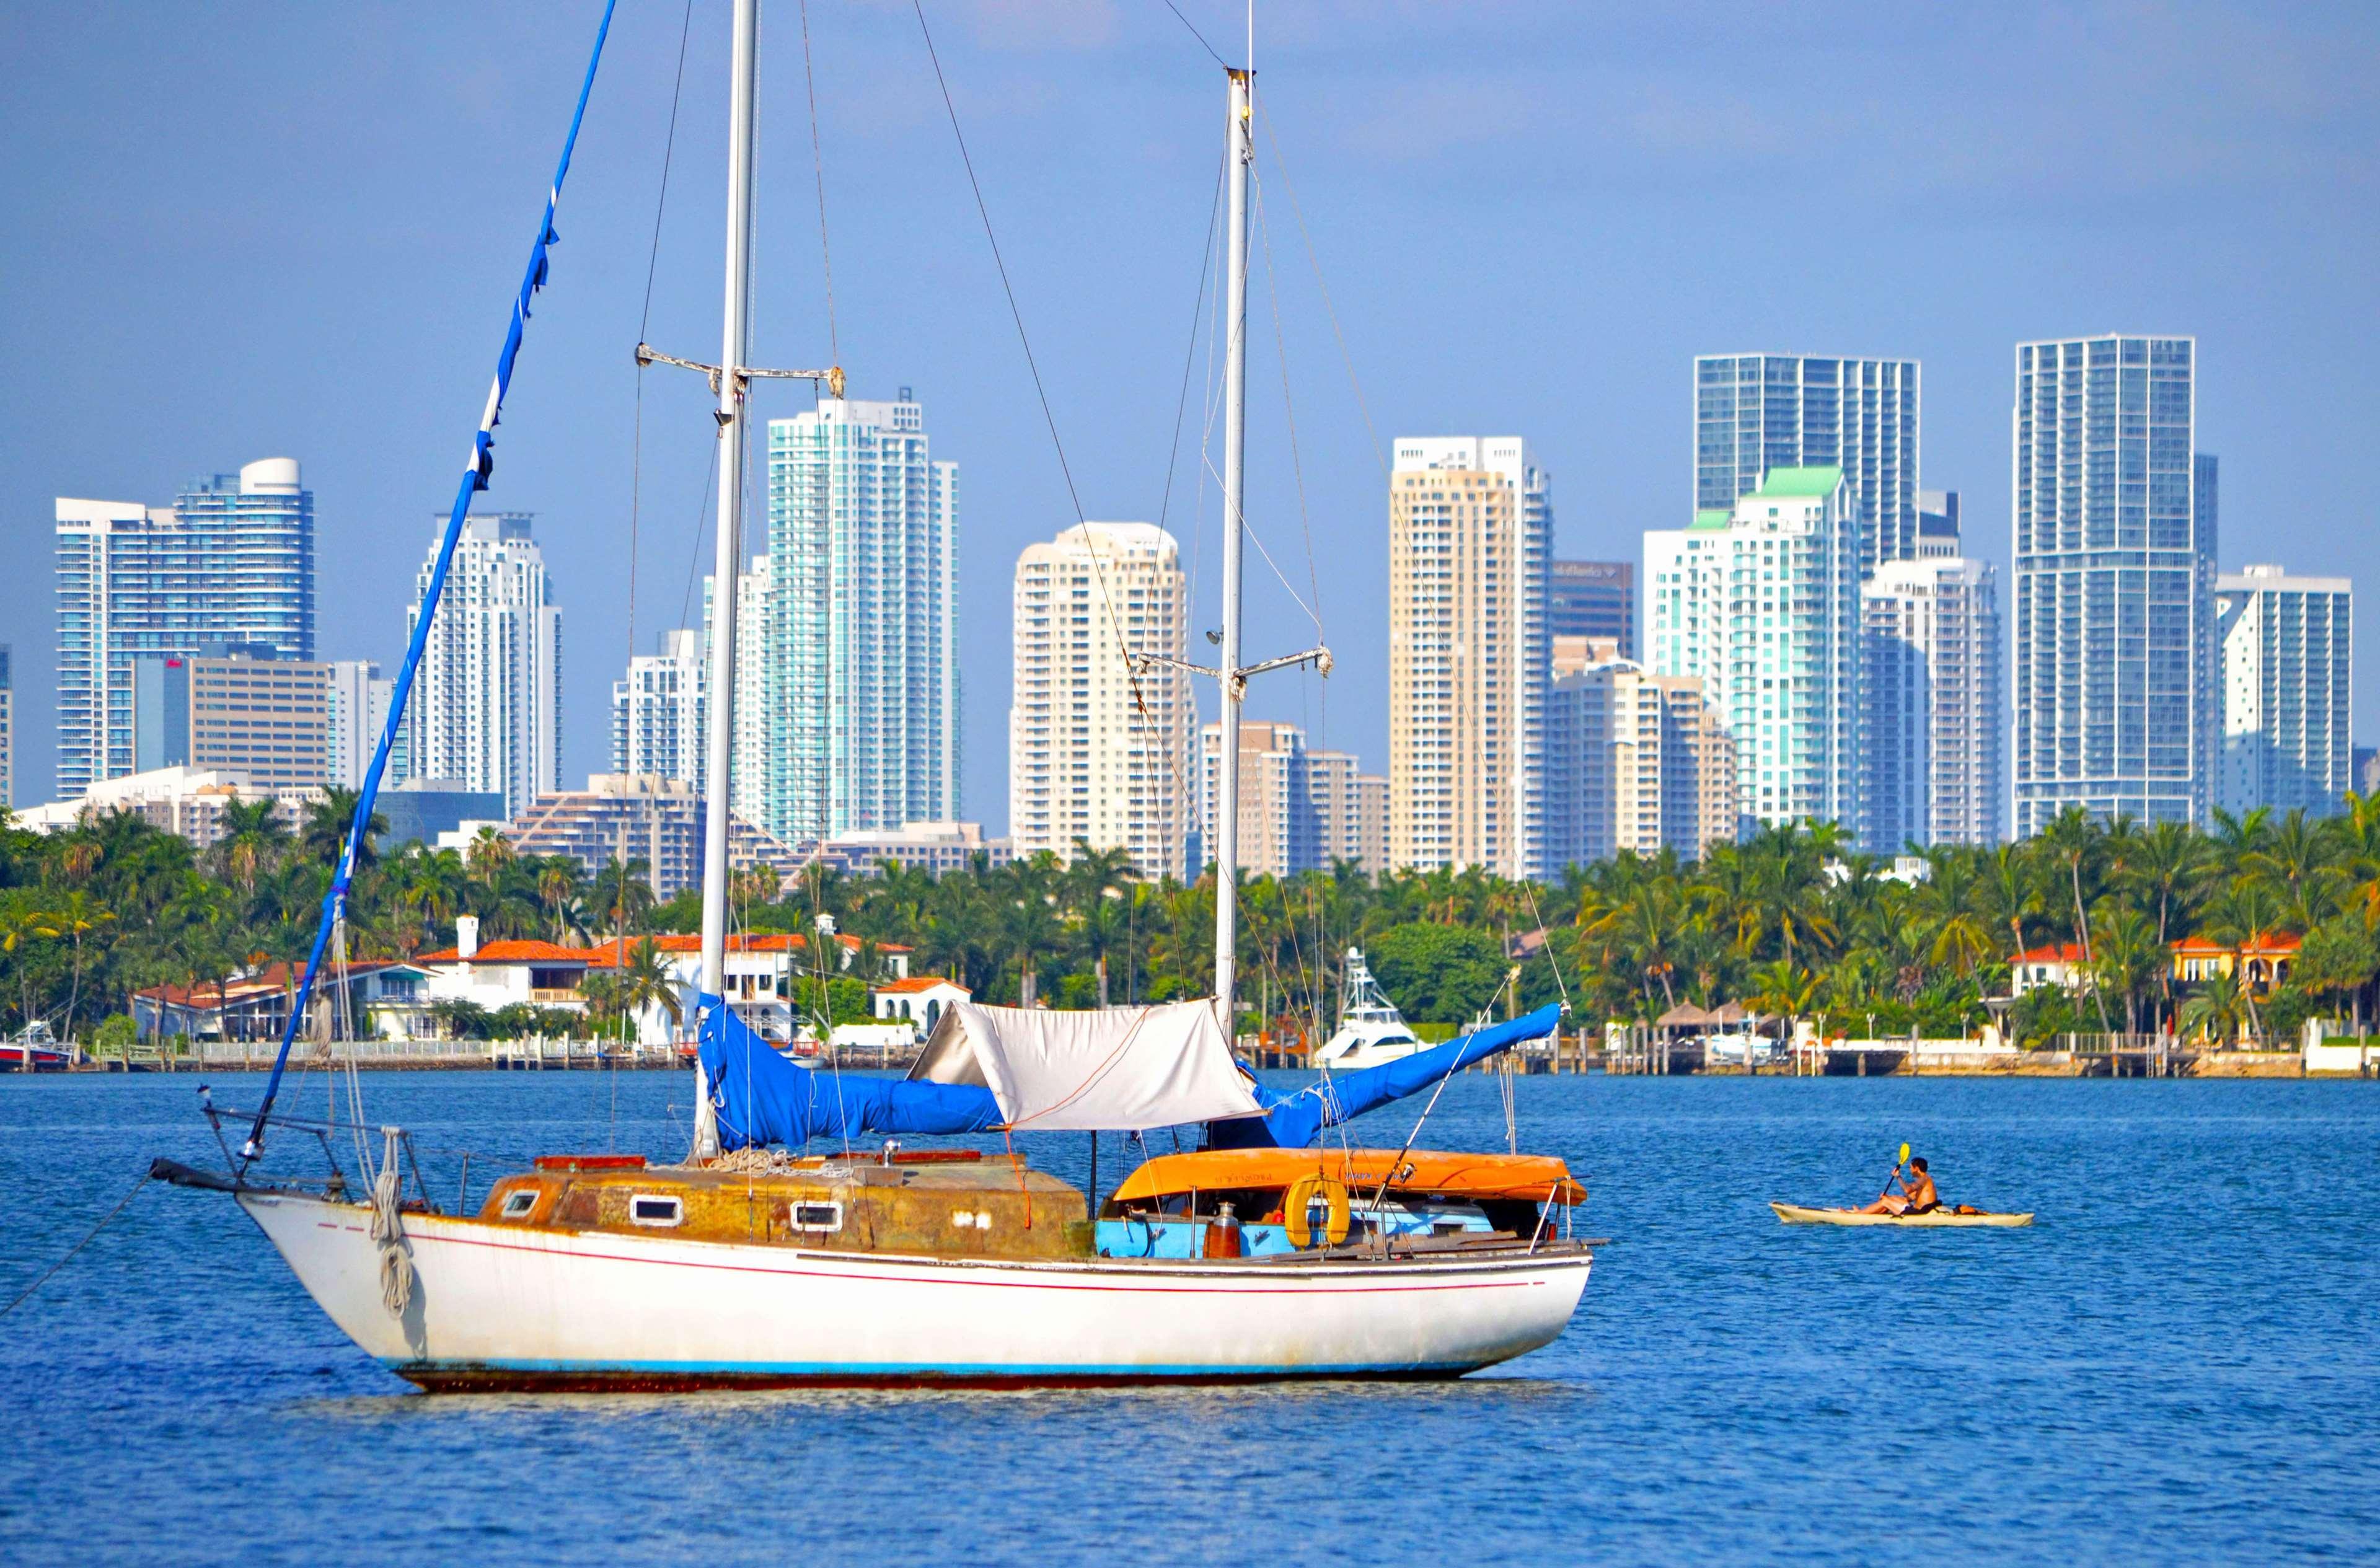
498	1306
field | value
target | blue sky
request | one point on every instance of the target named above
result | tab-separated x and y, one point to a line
248	230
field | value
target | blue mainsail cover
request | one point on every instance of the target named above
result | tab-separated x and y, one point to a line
762	1099
1292	1121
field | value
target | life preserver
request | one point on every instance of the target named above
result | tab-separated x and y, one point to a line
1297	1202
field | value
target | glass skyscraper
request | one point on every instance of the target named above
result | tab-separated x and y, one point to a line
861	639
232	561
2114	513
1754	412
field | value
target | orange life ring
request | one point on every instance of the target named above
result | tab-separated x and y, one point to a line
1297	1203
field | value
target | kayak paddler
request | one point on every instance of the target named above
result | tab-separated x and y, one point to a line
1916	1195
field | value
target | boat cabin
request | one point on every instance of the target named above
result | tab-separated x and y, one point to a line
947	1202
1262	1202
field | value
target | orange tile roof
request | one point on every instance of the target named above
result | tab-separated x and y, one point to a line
2267	944
2064	953
274	977
516	950
923	983
765	942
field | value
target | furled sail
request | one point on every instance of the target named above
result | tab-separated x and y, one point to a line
760	1097
1121	1069
1292	1121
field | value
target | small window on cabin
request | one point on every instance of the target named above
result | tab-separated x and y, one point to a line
817	1217
518	1202
648	1208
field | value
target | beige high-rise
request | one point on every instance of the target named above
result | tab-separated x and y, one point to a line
1086	760
1470	527
1300	809
1634	761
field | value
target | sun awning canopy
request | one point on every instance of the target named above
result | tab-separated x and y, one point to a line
1123	1069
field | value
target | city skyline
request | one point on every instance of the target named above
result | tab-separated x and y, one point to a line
1606	281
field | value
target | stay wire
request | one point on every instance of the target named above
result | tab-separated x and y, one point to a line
1289	413
1314	259
26	1294
818	165
1040	392
644	325
1196	34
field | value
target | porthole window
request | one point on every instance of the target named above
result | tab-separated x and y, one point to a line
817	1217
650	1209
518	1203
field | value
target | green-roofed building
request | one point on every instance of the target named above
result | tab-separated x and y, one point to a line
1761	602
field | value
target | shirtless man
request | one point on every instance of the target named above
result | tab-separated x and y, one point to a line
1916	1195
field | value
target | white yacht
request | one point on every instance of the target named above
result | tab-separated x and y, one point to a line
1371	1030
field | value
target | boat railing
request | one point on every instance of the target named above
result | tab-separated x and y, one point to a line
325	1135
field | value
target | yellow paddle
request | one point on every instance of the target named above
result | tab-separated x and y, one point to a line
1897	1166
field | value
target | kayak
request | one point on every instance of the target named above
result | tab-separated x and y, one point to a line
1793	1214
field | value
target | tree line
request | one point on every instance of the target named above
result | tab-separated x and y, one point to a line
1791	922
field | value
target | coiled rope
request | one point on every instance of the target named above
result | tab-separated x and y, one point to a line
388	1230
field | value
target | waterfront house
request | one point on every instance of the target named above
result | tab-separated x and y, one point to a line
389	1001
2263	961
920	999
2061	965
513	972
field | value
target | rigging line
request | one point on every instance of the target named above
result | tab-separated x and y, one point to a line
1546	936
1190	351
1196	34
1289	410
477	474
1025	341
644	323
26	1294
694	566
1379	454
1257	539
818	165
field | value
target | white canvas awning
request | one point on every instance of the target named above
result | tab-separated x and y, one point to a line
1122	1069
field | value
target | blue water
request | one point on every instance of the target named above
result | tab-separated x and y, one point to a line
2181	1361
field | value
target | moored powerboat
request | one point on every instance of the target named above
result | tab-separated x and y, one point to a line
1371	1030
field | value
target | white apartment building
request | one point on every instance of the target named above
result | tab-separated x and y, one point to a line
2288	690
1470	542
1762	605
1634	761
1300	809
359	700
860	633
486	707
1094	754
658	710
1930	671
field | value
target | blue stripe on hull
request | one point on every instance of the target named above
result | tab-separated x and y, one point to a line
666	1376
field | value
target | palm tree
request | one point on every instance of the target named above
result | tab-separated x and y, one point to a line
2072	838
20	929
252	833
642	981
322	830
2219	1008
76	917
488	854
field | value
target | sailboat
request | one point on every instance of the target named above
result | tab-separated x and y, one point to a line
753	1262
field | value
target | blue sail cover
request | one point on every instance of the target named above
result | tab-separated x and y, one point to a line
762	1099
1292	1121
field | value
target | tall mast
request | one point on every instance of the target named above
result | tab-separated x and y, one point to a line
1233	679
734	354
